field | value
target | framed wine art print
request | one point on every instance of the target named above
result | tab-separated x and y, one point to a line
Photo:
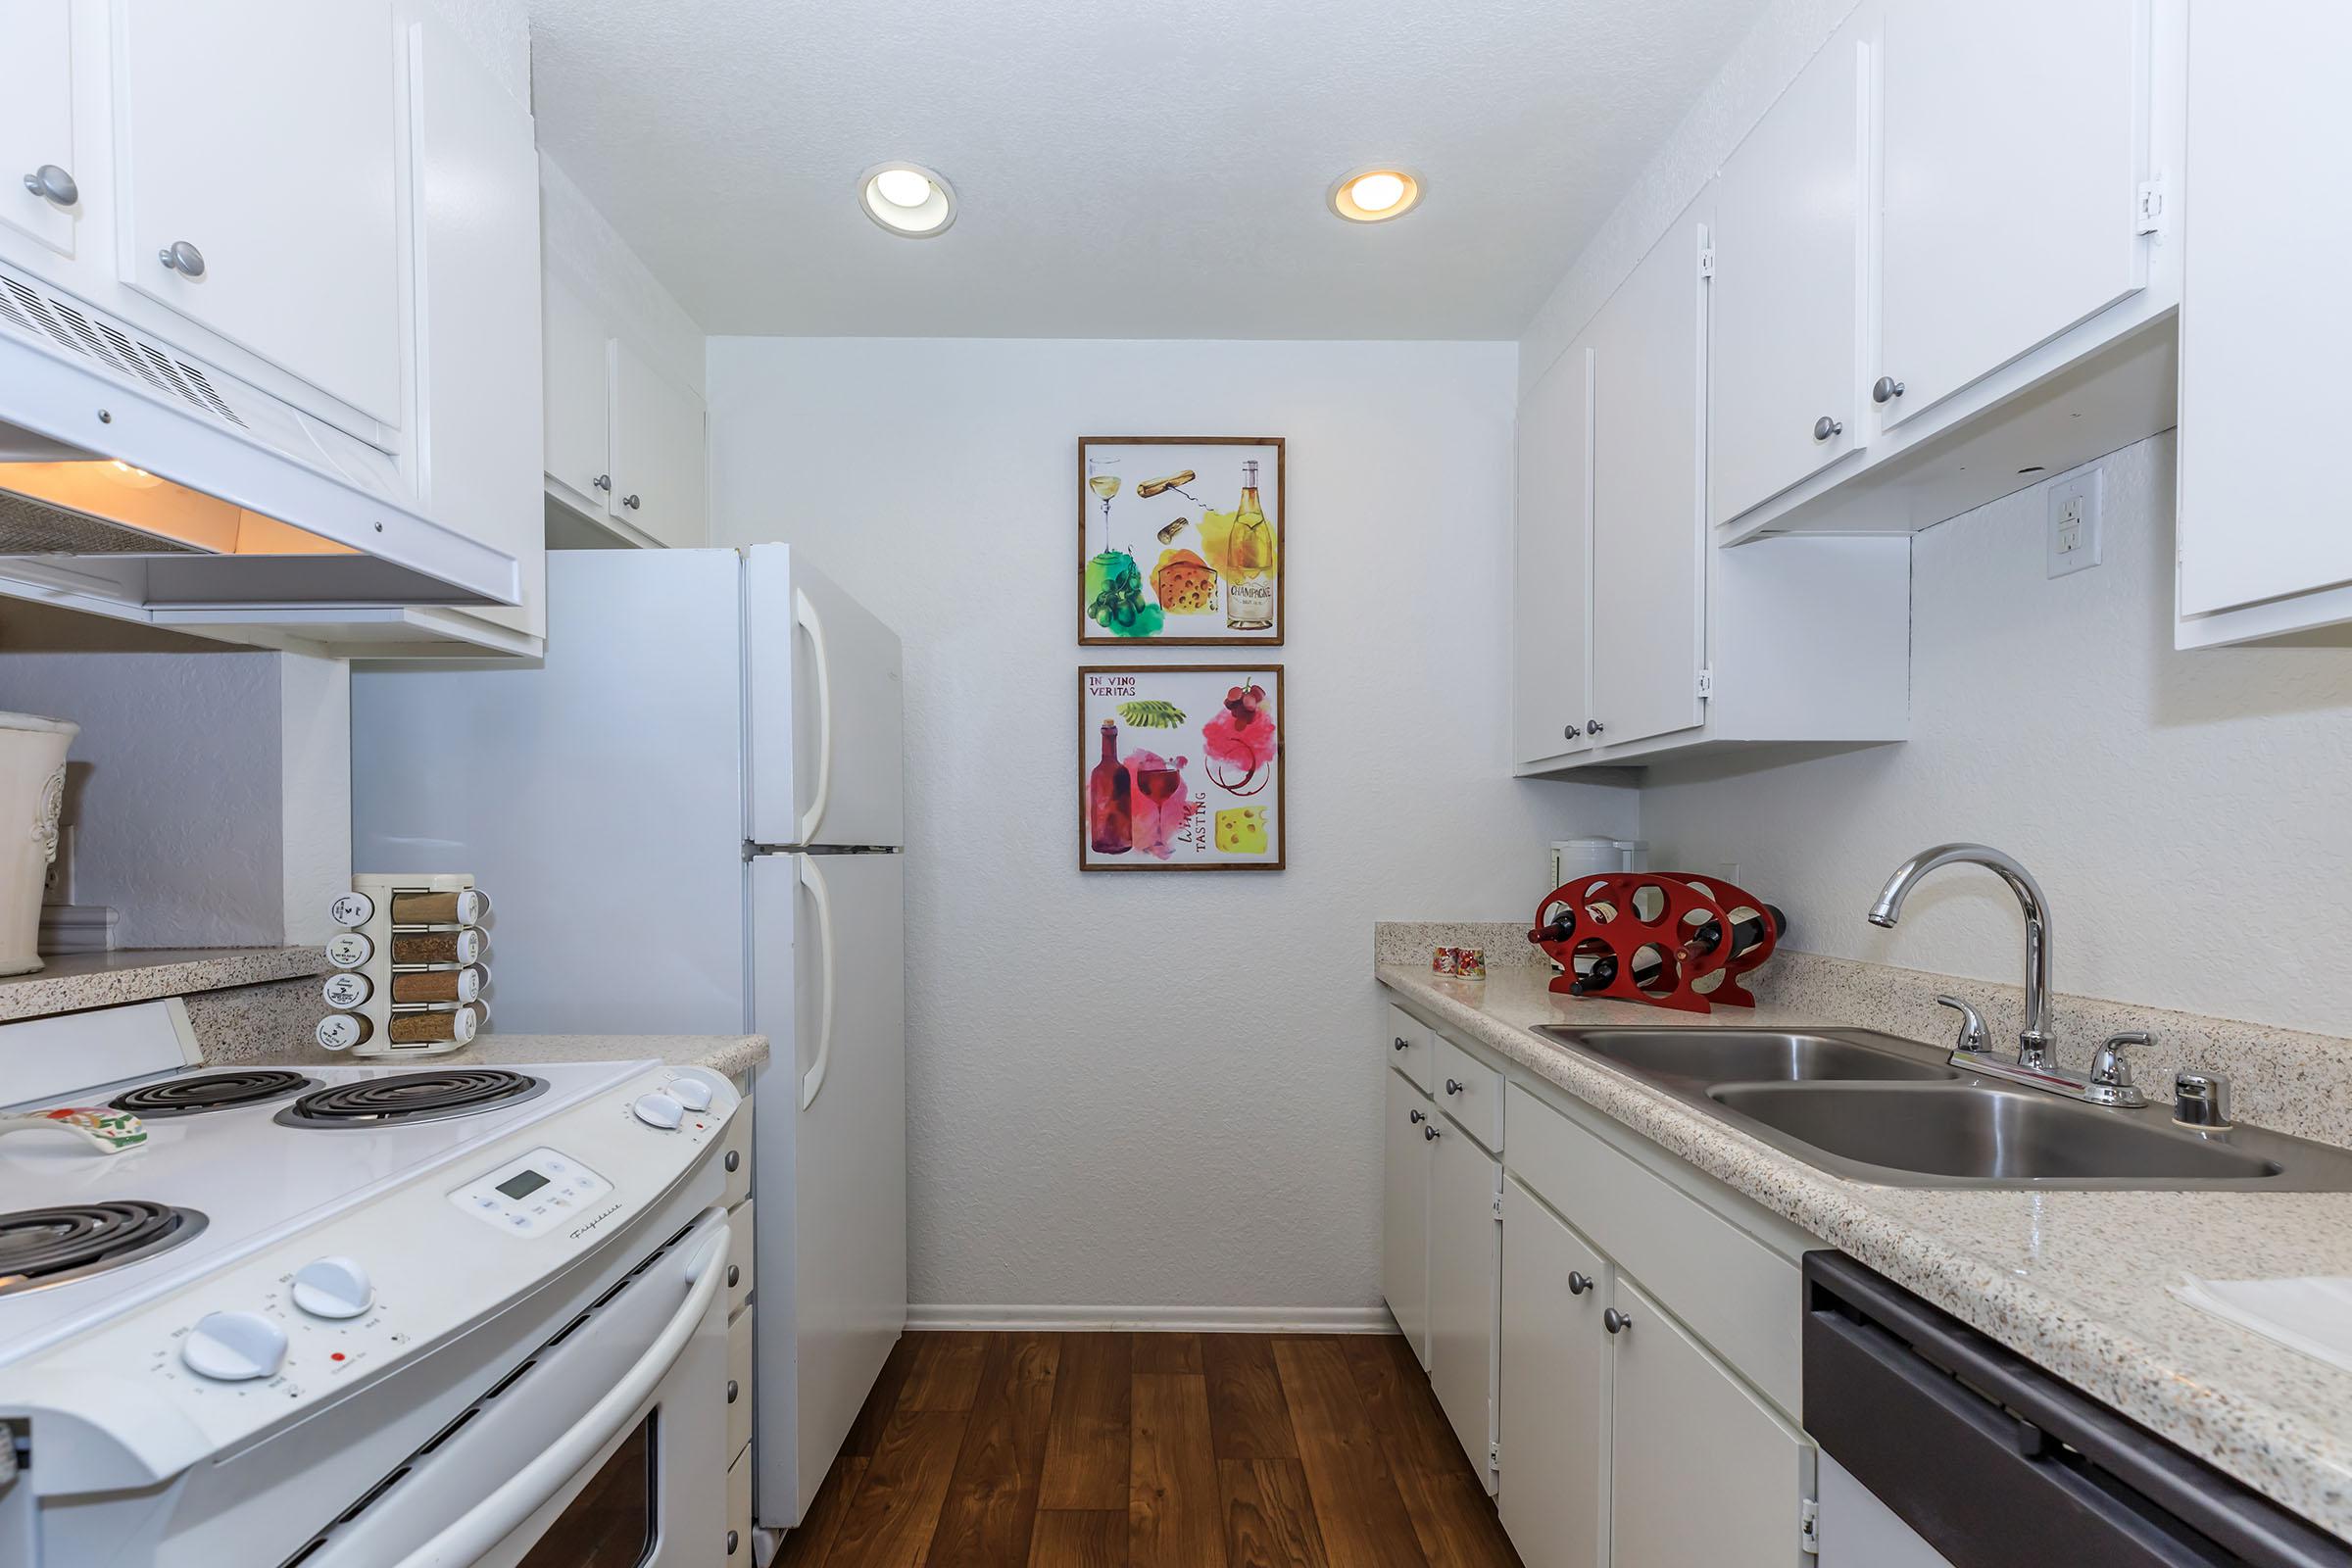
1181	540
1180	768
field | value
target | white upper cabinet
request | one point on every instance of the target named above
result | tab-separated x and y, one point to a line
1550	670
257	195
41	198
1649	554
657	451
572	363
2264	547
2016	137
1784	387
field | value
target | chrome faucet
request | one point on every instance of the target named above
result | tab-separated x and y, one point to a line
2109	1080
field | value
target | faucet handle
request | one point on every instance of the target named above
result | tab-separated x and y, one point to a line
2201	1099
1972	1025
2109	1081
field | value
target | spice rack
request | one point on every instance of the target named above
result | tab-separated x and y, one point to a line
411	972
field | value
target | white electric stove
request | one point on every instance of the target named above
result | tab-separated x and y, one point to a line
285	1319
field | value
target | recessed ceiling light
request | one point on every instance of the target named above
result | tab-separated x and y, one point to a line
1374	195
906	199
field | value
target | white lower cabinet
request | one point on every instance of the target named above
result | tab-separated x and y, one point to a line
1404	1210
1555	1408
1465	1236
1700	1470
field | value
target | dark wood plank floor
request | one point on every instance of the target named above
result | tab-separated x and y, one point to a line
1150	1451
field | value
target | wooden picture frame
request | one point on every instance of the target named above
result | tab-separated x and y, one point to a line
1191	548
1200	813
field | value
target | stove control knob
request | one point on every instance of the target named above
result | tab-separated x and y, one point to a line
333	1286
692	1093
234	1347
658	1111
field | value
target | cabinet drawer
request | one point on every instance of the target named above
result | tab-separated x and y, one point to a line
1406	1045
739	1381
739	1512
1740	1297
1469	1091
739	1257
735	1156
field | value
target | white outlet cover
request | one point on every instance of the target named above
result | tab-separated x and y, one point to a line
2075	513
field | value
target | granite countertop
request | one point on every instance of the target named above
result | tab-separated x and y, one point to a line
731	1055
2076	1281
71	982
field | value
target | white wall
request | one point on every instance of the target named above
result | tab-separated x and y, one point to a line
2183	810
210	792
1156	1090
585	253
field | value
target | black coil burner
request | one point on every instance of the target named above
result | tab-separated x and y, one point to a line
212	1090
411	1097
41	1247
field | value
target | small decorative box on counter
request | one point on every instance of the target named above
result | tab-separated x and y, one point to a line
410	977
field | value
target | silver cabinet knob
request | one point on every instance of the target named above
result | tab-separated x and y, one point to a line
1826	428
603	481
1615	1322
1416	1117
182	258
1886	390
1454	1086
630	502
1569	733
1593	726
1579	1282
53	185
1429	1134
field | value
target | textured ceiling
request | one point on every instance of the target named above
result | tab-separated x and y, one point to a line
1121	171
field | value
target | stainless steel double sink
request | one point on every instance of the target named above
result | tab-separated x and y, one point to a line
1872	1107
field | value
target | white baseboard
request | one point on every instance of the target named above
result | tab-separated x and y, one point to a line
1162	1319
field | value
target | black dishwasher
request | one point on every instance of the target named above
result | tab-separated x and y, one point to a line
1995	1463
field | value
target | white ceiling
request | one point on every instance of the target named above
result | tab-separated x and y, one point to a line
1122	171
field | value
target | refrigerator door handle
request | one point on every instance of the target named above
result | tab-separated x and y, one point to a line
814	881
803	613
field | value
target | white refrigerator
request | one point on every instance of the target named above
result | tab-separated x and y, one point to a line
689	818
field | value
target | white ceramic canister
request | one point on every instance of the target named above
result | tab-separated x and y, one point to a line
33	787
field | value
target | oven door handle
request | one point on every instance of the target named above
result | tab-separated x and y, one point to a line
523	1493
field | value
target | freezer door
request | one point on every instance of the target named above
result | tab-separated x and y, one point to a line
823	709
596	795
830	1165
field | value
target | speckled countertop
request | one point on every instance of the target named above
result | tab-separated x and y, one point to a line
731	1055
73	981
2076	1281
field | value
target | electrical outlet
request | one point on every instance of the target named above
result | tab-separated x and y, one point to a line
2076	509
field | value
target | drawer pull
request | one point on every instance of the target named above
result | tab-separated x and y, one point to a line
1403	1044
1615	1322
734	1160
1579	1282
732	1391
1454	1086
1429	1133
734	1275
1416	1117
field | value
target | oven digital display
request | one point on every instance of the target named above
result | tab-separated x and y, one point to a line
522	1184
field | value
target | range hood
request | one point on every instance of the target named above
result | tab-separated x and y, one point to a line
136	479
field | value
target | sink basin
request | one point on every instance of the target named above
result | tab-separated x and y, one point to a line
1974	1132
1754	1057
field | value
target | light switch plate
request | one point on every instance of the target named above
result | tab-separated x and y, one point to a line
2075	508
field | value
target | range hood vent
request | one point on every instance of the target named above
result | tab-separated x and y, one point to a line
137	479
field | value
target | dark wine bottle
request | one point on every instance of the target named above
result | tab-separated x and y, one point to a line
1746	934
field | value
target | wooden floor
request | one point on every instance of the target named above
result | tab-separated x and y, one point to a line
1150	1451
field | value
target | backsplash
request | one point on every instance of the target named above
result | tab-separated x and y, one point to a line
2288	1079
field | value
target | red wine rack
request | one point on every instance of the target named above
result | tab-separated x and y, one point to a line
1619	921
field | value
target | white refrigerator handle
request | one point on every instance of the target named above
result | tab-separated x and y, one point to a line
803	613
814	881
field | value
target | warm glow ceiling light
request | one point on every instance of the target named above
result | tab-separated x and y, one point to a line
907	199
1374	195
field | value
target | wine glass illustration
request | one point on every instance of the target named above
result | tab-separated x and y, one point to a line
1104	486
1157	784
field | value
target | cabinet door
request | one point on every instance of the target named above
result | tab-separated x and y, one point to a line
36	120
475	178
1649	562
2016	138
1784	369
1404	1211
657	447
1552	577
574	374
1553	1414
1464	1280
280	178
2260	502
1699	1471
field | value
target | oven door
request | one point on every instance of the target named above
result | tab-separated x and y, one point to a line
604	1449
